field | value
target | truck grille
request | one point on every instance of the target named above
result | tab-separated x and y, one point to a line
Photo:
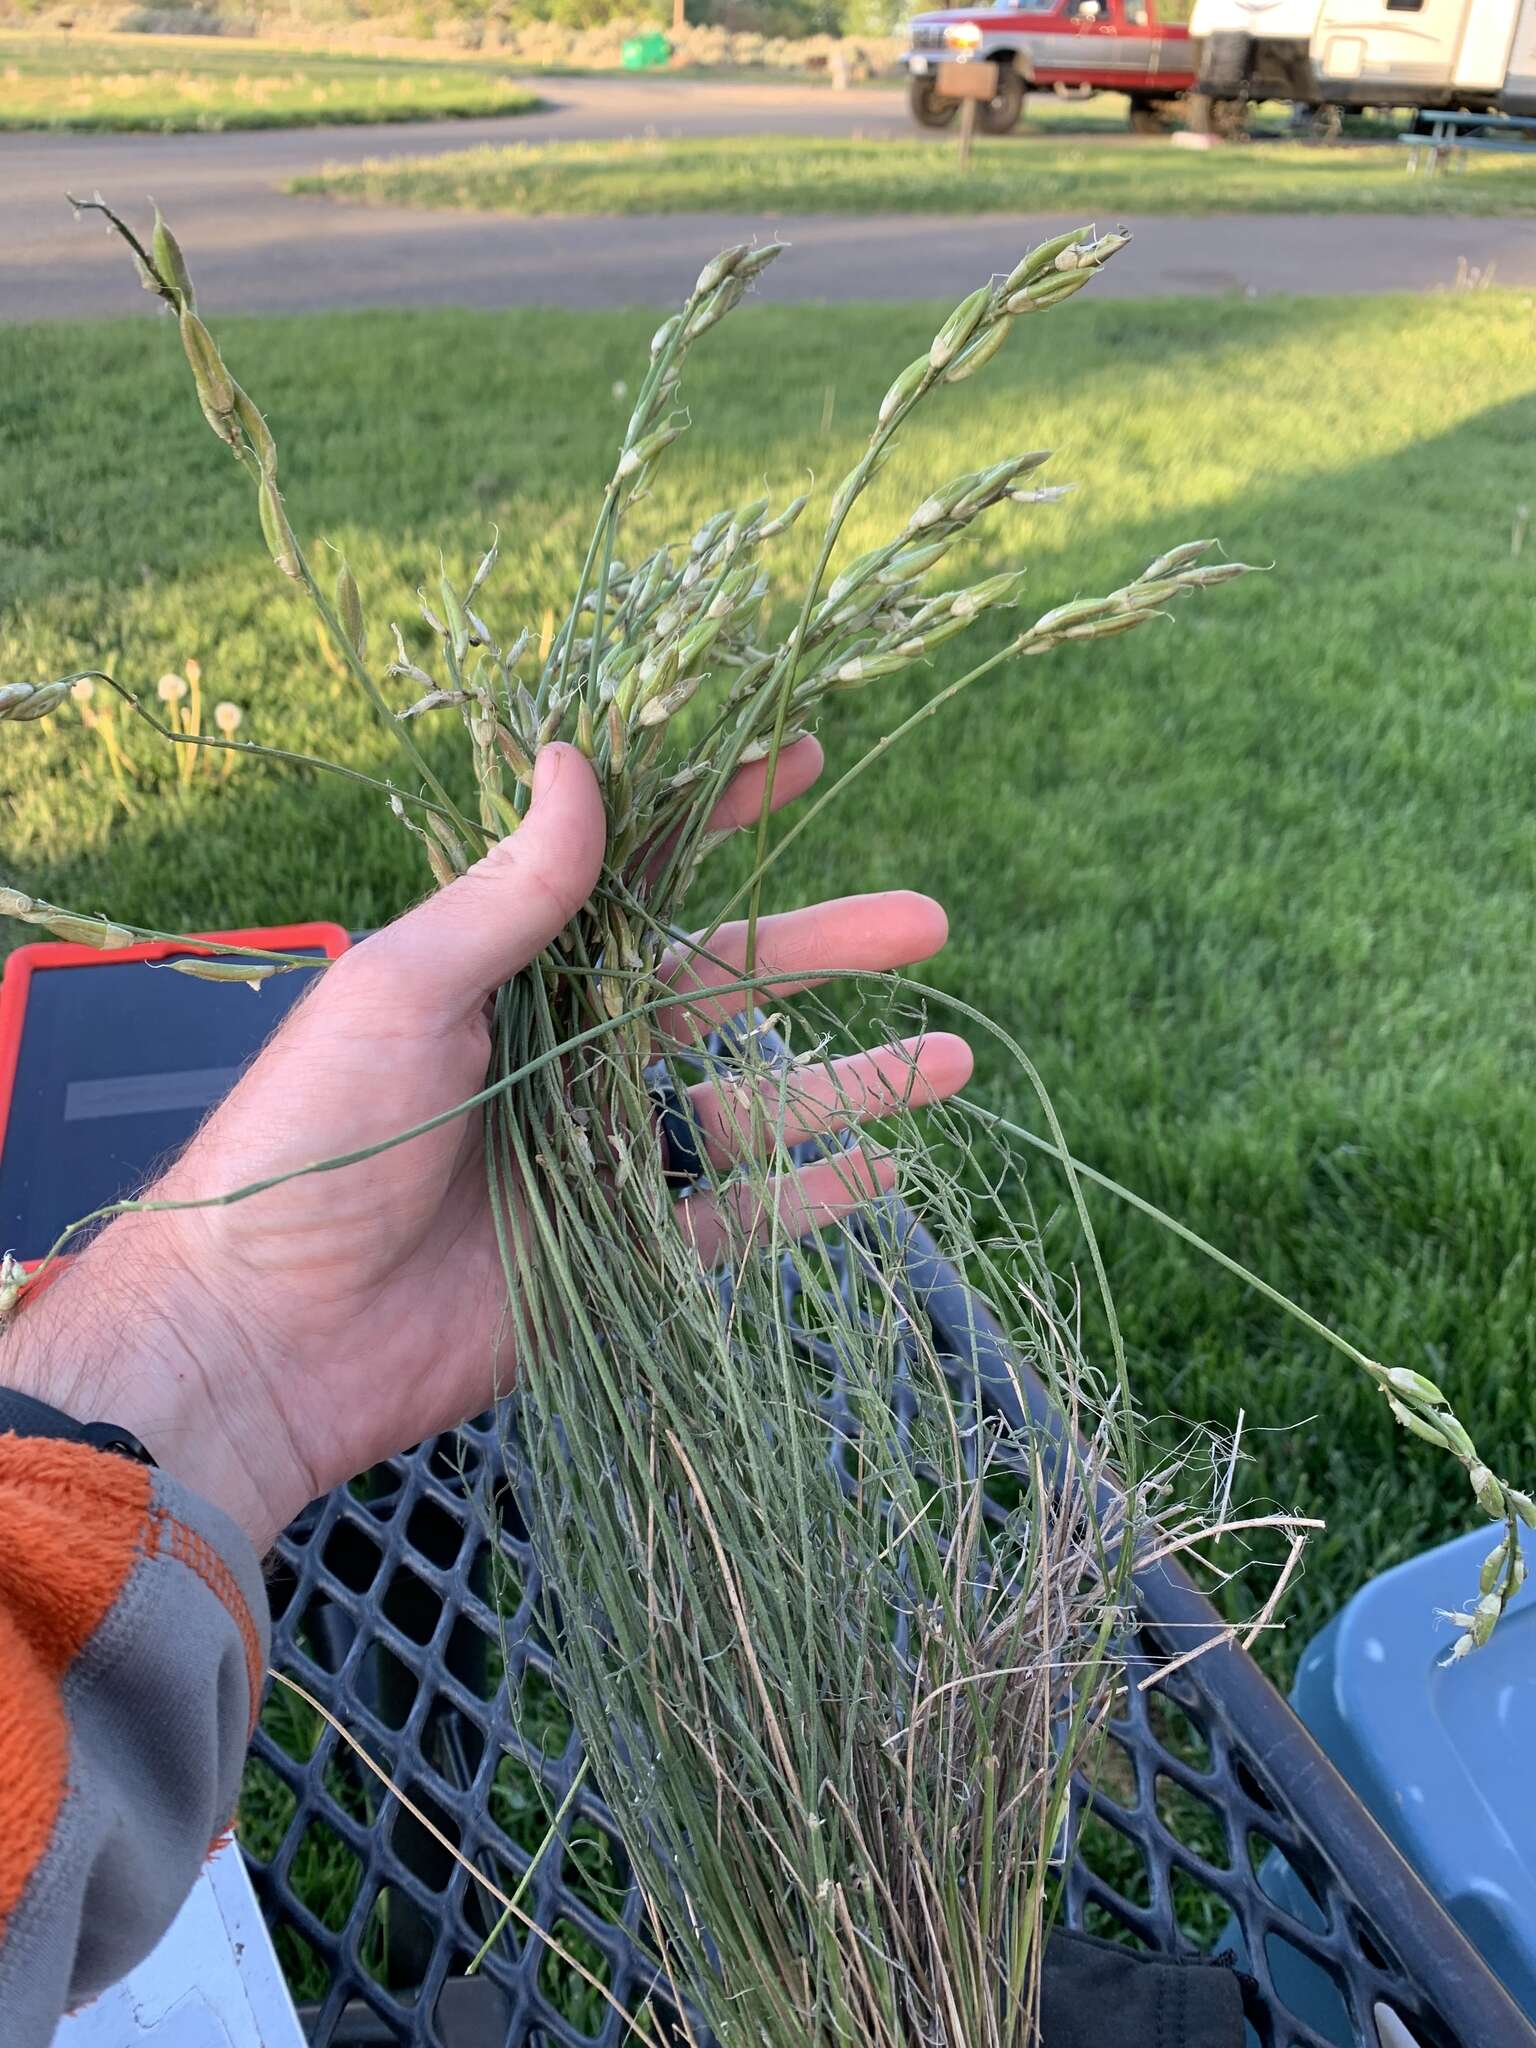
927	35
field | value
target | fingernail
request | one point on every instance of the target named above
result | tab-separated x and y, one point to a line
546	768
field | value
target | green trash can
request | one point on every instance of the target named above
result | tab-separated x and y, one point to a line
644	53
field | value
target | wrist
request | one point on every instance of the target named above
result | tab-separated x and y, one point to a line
129	1334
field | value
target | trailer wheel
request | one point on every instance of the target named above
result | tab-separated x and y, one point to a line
1000	114
929	108
1224	118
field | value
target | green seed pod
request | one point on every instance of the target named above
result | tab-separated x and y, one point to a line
215	386
1522	1503
1041	258
756	261
1077	613
449	840
911	562
859	571
1492	1565
1106	629
657	710
784	519
664	334
718	269
1006	588
1214	574
84	931
1516	1570
171	264
698	639
867	668
1047	291
20	703
1416	1425
978	355
645	451
349	609
252	972
959	327
1490	1495
442	870
1484	1616
715	308
903	388
457	626
514	756
1454	1434
257	432
1183	557
276	531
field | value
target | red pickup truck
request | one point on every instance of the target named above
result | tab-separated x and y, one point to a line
1073	47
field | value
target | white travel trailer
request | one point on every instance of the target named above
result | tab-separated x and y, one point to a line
1477	54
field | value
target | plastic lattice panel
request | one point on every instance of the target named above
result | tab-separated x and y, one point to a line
392	1605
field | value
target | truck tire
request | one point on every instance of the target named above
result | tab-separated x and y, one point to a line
1000	115
1226	64
929	108
1224	118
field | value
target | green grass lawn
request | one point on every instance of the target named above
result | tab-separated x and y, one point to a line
1255	889
170	83
1077	170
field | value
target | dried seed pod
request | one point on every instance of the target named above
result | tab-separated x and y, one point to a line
514	755
655	711
20	703
449	840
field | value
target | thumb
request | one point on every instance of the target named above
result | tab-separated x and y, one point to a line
460	945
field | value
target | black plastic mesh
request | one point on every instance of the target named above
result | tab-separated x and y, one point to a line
383	1604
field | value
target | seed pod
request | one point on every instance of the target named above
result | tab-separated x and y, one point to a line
449	840
715	308
868	668
1178	558
1417	1425
252	972
645	451
1041	258
257	432
1106	629
1454	1434
858	571
585	737
171	264
1006	588
756	261
1490	1495
657	710
718	269
1492	1565
276	531
215	386
20	703
84	931
1047	291
1516	1570
959	327
1215	574
664	334
14	903
1523	1506
487	564
977	355
457	625
1044	494
1074	614
618	740
442	870
514	756
1484	1615
349	609
784	519
903	388
13	1282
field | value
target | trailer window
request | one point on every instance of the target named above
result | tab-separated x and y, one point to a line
1405	6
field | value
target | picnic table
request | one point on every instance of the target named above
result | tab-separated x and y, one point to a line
1440	132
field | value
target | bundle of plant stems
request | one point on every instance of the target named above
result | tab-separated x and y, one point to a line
834	1660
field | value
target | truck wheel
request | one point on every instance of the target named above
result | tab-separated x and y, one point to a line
929	108
999	115
1219	117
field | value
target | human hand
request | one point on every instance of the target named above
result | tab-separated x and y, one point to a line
269	1349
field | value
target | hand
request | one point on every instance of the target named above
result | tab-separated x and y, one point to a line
268	1350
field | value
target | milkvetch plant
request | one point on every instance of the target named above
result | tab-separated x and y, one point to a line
835	1699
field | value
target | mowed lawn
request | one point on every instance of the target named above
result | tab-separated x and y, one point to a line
169	83
1257	889
1077	168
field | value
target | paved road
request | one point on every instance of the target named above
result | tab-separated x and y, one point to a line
256	249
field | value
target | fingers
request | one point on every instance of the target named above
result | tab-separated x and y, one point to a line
799	766
735	1119
449	953
792	1205
869	933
